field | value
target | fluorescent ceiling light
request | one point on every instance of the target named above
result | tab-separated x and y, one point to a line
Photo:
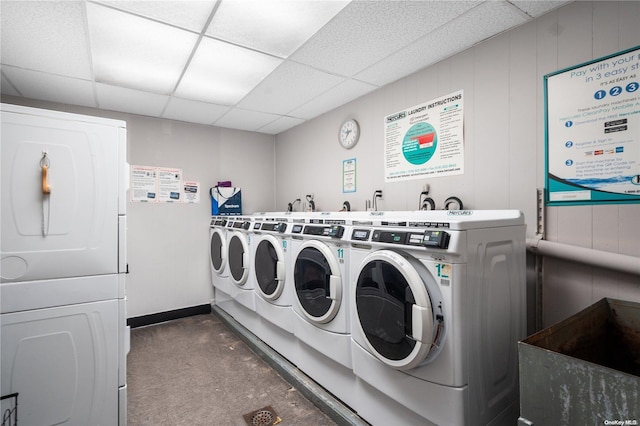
277	27
222	73
134	52
191	15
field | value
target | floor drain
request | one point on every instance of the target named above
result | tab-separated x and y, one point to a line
262	417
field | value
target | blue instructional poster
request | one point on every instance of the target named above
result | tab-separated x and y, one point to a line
592	130
425	140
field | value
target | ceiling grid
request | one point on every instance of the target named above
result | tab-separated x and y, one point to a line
256	65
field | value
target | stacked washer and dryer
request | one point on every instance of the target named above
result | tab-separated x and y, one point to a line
407	317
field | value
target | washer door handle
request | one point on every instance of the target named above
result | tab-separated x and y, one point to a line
335	286
280	272
422	324
245	260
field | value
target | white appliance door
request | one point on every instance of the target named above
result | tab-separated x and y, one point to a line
218	250
318	282
63	363
269	268
398	309
60	197
238	258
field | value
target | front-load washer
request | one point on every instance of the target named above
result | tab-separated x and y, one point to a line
218	254
438	306
239	236
320	259
271	259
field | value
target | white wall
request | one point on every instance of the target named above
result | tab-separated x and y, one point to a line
504	144
168	243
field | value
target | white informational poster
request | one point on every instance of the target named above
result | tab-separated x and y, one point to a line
426	140
169	185
349	175
593	131
156	185
143	184
191	193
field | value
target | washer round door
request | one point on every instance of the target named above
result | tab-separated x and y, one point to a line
218	250
317	281
238	258
269	268
399	309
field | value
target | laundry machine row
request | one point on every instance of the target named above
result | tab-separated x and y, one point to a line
407	317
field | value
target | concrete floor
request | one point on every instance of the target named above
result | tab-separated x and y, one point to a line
197	371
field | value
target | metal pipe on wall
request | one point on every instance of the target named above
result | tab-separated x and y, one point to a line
598	258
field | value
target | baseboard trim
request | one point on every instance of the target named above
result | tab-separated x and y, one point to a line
159	317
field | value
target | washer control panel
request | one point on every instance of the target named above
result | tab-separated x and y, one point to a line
429	238
333	231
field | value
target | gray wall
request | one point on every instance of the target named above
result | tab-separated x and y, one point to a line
168	243
504	162
504	144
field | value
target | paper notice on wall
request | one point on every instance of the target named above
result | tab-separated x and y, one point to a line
144	186
156	184
349	175
191	192
426	140
169	185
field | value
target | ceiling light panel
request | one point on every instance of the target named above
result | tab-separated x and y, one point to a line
277	27
223	73
135	52
191	15
45	36
368	31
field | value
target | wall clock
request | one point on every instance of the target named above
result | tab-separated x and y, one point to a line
349	133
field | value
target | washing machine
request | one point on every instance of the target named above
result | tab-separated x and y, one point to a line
320	258
218	254
241	278
437	309
271	257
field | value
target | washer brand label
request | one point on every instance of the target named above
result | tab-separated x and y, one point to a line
459	212
397	116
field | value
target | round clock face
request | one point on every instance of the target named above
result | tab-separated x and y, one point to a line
349	133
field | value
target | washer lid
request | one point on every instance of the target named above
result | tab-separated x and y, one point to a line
399	309
238	258
218	250
317	281
269	267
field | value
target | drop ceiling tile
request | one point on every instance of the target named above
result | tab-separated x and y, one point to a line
223	73
193	111
288	87
7	87
135	52
333	98
369	31
191	15
51	87
128	100
277	27
484	21
242	119
535	8
45	36
280	125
